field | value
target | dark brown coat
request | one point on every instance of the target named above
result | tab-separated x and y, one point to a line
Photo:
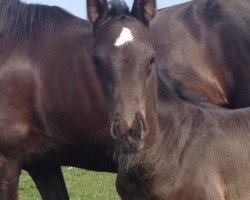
170	145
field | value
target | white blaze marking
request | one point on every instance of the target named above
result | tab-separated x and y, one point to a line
125	37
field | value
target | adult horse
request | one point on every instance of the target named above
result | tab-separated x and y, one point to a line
52	110
206	45
169	145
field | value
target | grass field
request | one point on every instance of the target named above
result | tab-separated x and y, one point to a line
81	184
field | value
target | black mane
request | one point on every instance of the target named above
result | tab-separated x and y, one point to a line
117	7
19	19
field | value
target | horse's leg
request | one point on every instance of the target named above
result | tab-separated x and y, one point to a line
50	183
10	170
12	152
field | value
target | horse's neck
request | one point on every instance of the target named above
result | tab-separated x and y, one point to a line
175	117
167	140
163	108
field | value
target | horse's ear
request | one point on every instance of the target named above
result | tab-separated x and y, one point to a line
97	10
144	10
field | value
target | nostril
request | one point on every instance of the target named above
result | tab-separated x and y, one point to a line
117	117
115	127
141	120
134	134
131	133
114	130
124	136
119	128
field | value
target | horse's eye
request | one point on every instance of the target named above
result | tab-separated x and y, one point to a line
96	61
152	61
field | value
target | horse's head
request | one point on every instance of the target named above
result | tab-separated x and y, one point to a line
124	59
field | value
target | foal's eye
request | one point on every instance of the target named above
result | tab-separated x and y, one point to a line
97	64
96	61
152	60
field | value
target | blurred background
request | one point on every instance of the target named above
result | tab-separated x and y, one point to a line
78	7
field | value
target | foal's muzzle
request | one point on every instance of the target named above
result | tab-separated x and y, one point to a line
121	131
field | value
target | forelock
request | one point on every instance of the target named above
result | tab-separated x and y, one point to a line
117	7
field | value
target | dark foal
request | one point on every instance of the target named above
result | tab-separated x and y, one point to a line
170	145
52	108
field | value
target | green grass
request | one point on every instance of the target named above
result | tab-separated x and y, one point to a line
81	184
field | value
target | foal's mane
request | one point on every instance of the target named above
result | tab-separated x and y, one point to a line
19	19
118	7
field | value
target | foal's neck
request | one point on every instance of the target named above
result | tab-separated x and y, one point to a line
167	113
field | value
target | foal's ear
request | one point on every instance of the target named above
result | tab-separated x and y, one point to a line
144	10
97	10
